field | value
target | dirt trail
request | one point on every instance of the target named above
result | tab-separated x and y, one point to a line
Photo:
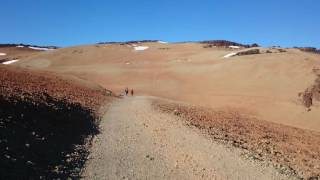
137	142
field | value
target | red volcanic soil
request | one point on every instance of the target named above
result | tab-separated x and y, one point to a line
22	83
46	122
293	151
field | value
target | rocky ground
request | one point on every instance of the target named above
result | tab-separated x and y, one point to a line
139	142
224	43
46	123
311	95
293	151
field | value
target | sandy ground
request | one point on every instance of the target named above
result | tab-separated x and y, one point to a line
13	52
137	142
266	85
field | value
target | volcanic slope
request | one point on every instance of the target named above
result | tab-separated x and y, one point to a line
264	84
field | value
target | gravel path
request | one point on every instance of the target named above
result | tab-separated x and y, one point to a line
137	142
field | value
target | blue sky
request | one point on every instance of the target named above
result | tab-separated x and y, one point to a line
73	22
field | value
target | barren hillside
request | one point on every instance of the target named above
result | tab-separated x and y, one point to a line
46	122
264	84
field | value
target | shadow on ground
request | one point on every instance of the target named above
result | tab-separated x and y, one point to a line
43	140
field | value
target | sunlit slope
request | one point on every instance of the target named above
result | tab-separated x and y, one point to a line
265	85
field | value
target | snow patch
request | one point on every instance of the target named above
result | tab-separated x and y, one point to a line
20	46
141	48
230	55
10	62
39	48
132	45
162	42
234	47
3	54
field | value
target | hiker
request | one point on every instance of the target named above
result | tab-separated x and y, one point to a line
131	92
126	91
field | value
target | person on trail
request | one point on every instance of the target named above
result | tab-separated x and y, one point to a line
126	91
131	92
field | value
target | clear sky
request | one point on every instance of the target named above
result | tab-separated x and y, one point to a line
72	22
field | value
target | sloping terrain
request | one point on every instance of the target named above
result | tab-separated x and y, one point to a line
9	52
46	121
263	100
293	151
266	84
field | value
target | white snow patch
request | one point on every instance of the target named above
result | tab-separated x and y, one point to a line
162	42
19	46
141	48
39	48
3	54
10	62
132	45
234	47
230	55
